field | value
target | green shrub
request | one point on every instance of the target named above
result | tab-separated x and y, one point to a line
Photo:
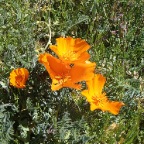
36	115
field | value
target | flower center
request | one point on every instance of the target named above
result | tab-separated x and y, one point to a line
70	55
59	80
99	100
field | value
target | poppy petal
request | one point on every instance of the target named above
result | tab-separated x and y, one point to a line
114	107
18	77
71	50
82	72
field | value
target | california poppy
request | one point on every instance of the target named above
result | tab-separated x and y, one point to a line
71	50
64	74
18	77
97	99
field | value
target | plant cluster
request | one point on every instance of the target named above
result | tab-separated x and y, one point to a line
72	67
50	104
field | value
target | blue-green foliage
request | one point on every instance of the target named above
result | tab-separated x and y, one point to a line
34	115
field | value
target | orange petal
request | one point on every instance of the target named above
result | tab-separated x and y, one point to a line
111	106
93	107
59	72
114	107
70	49
96	85
54	66
85	93
18	77
97	99
56	85
99	81
63	45
82	57
57	65
82	72
64	75
81	45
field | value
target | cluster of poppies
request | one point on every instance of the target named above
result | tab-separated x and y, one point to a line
70	68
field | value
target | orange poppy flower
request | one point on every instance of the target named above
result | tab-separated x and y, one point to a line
97	99
18	77
64	74
71	50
